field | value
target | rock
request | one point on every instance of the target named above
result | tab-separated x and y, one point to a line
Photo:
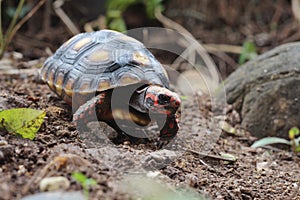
3	103
54	183
266	91
56	195
6	152
163	155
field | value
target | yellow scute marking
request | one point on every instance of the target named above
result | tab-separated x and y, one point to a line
81	43
140	58
69	87
103	85
128	79
126	115
120	114
50	79
84	87
138	120
69	41
99	55
58	83
127	38
43	73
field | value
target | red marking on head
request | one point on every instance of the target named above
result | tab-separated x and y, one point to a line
161	100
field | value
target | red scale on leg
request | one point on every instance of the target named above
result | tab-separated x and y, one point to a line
169	129
171	125
81	115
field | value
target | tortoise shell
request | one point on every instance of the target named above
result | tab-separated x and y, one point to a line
98	61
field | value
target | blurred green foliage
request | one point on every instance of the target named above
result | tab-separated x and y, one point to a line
11	10
146	188
85	182
17	13
294	141
115	9
249	52
14	13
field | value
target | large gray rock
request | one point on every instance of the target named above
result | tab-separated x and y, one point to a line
266	91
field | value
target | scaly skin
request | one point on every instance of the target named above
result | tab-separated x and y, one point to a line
86	112
170	129
164	112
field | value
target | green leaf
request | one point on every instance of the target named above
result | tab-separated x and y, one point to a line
151	6
80	177
118	24
114	14
120	4
22	121
229	156
228	128
248	52
90	181
293	132
183	97
10	11
270	140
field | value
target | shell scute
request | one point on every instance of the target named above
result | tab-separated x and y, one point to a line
94	62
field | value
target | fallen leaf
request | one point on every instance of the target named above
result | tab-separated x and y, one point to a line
228	156
228	128
270	140
22	121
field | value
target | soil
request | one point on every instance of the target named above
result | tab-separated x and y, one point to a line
59	149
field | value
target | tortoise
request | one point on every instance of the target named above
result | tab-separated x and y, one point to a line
88	69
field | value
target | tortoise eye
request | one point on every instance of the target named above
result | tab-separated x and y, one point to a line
150	101
162	99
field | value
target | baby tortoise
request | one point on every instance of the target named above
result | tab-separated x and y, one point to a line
87	69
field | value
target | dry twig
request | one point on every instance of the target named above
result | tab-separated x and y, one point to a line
64	17
192	45
210	156
296	9
25	19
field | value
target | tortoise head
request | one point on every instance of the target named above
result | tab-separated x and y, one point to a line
161	100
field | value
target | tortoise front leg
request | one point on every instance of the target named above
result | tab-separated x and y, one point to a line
169	129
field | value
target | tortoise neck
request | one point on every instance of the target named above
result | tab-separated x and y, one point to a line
138	98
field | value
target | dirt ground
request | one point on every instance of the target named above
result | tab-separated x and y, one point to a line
59	149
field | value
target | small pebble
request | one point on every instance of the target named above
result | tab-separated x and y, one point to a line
163	155
153	174
21	170
54	183
3	143
61	195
